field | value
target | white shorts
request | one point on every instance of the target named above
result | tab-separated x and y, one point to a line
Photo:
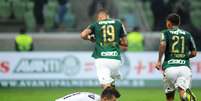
175	77
107	70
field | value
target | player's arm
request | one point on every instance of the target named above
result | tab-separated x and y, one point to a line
193	54
86	34
123	39
193	51
162	48
124	43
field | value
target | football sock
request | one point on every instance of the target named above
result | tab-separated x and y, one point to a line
186	97
193	97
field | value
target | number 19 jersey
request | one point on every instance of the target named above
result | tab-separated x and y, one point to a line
107	34
178	45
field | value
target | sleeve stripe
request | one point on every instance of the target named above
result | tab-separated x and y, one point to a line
124	29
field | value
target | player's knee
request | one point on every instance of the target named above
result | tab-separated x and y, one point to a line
181	92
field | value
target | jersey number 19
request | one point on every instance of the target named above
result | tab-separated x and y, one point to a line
108	32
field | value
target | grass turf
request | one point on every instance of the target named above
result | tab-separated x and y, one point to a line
50	94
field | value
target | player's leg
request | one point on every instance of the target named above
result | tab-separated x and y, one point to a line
189	91
183	95
103	73
183	83
115	73
169	90
169	79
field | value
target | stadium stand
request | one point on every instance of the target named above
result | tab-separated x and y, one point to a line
29	17
19	10
17	13
195	12
50	12
5	9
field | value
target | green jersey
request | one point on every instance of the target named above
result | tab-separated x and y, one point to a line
107	34
178	45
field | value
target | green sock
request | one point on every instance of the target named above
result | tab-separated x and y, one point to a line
186	97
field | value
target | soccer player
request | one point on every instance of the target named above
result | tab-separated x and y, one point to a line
109	94
109	36
178	47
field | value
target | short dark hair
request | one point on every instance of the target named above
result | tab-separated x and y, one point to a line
102	10
174	19
109	92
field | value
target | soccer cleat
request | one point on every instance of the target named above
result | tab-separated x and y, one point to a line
192	95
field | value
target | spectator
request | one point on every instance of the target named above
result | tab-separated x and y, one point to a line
62	11
131	20
95	5
38	13
182	8
135	40
23	42
160	12
106	4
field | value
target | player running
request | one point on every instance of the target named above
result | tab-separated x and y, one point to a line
109	35
109	94
178	47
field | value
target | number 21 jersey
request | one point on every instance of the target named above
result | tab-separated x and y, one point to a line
178	45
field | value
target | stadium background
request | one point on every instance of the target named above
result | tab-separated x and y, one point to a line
60	60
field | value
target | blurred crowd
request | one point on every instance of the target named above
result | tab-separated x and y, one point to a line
74	15
161	8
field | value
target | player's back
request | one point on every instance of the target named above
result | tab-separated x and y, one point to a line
80	96
178	45
107	33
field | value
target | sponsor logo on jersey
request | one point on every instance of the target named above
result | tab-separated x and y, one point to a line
178	55
176	61
112	53
106	22
178	31
69	65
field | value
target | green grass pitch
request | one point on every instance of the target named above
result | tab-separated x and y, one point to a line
50	94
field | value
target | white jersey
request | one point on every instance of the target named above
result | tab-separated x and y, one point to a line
80	96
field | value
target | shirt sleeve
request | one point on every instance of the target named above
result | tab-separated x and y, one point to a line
92	28
162	37
123	31
192	44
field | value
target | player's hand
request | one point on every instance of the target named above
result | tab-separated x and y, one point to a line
158	65
91	38
123	48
